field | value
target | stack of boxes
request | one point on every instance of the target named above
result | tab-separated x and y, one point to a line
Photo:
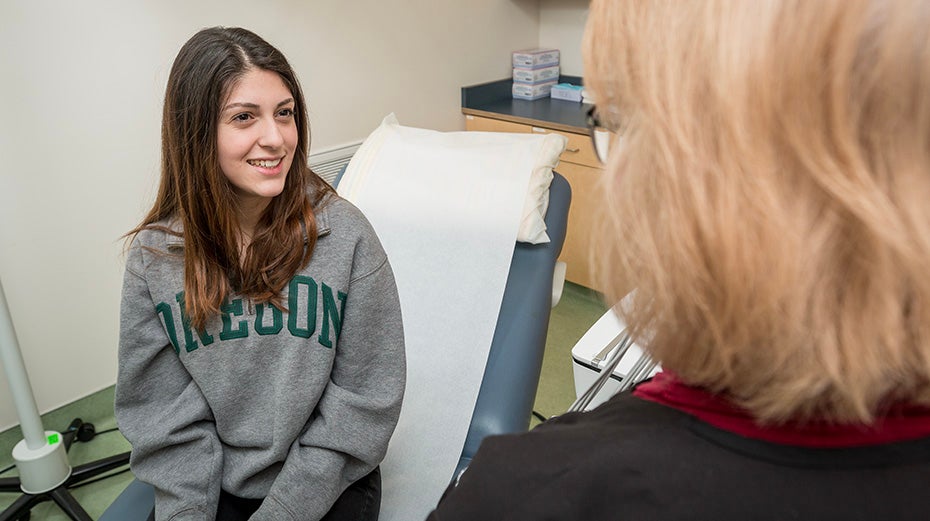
535	71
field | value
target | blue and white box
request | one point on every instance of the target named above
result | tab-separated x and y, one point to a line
566	91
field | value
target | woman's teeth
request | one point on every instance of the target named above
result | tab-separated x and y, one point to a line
264	163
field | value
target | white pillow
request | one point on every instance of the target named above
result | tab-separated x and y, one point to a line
550	147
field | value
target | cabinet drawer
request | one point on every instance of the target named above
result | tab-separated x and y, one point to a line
494	125
579	149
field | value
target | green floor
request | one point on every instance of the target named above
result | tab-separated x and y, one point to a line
578	309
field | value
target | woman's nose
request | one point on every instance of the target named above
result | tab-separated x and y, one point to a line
271	136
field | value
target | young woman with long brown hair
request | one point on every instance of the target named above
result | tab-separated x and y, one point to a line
261	362
769	204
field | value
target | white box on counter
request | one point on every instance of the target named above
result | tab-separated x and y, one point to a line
541	75
532	91
535	58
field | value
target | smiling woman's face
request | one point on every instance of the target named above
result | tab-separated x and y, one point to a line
256	137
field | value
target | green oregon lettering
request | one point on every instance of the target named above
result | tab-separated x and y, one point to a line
330	314
277	321
300	288
293	292
233	308
189	343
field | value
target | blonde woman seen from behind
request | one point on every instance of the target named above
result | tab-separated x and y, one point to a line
769	205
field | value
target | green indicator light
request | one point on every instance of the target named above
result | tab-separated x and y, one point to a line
53	439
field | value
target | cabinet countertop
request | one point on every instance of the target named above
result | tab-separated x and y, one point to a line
495	100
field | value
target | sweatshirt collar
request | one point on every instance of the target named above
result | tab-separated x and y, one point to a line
177	241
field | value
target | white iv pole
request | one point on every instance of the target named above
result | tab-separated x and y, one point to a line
41	456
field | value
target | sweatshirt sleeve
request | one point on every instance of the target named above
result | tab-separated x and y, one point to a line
162	412
347	435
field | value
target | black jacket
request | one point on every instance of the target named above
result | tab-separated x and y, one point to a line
632	459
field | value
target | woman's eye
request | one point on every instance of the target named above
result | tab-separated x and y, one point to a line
245	116
286	113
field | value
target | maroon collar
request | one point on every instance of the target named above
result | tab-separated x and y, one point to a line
900	423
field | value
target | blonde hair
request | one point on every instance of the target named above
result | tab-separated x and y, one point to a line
770	202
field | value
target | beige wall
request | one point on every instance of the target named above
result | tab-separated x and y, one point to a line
561	24
81	90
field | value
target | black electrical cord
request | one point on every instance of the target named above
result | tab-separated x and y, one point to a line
100	478
85	431
4	470
539	416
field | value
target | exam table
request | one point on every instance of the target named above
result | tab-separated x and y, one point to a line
508	388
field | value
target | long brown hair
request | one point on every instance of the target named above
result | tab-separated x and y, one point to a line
770	203
194	192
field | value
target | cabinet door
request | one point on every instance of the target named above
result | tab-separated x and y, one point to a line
494	125
583	214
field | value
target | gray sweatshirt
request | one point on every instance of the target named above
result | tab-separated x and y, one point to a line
288	405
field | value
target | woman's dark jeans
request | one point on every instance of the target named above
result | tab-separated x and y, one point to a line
360	502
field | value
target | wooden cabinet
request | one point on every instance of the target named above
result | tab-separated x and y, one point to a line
580	166
494	125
